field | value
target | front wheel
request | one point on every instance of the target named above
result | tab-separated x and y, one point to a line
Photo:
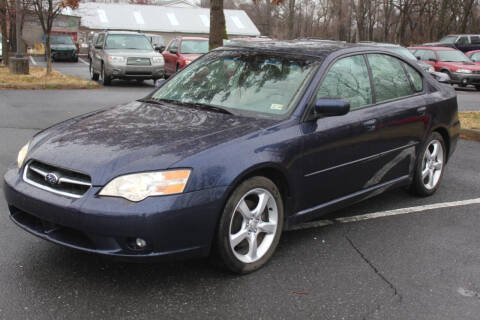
430	166
106	79
94	76
251	225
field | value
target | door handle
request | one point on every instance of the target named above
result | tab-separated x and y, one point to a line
421	111
370	125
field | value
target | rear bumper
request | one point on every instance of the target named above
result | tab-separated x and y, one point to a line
177	226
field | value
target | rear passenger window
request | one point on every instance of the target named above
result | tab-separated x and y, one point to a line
348	79
415	78
389	78
475	39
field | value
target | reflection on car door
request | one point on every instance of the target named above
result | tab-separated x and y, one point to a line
369	148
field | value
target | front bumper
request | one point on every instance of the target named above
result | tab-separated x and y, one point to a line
465	78
174	226
135	71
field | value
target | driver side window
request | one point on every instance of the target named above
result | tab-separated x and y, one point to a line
348	79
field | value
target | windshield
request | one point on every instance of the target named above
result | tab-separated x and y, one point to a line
194	46
61	40
448	39
244	83
404	52
452	56
128	41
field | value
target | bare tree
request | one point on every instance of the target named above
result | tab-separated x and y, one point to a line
47	11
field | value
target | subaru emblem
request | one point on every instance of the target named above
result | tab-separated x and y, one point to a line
51	178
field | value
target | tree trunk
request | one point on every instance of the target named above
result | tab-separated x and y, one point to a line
217	24
291	19
3	27
48	53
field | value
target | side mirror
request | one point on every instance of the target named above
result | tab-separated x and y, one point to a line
332	107
441	77
159	48
159	83
418	58
174	51
432	60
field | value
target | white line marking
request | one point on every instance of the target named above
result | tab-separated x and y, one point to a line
83	61
33	61
388	213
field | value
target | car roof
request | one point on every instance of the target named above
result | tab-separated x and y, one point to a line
380	44
472	52
432	48
319	49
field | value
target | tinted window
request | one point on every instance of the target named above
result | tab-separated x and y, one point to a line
427	55
389	78
100	38
128	41
463	40
415	78
194	46
250	84
348	79
475	57
61	40
475	39
452	56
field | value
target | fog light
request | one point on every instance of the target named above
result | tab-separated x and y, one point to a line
140	243
464	81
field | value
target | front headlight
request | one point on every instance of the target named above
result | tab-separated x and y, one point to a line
22	154
464	71
138	186
116	60
188	62
157	60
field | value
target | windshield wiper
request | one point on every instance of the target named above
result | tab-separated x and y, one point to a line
198	105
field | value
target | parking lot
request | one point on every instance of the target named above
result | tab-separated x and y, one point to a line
419	262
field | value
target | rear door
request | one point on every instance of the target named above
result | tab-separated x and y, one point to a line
371	146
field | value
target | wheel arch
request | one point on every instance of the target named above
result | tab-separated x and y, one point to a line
446	138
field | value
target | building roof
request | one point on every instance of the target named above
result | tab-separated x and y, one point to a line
150	18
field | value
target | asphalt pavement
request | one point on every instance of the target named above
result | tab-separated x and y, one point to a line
420	265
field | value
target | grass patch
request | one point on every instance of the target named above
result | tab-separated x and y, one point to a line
470	120
38	79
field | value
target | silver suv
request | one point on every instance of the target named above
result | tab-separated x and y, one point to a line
125	55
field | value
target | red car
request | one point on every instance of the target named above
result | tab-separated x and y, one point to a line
456	64
474	56
181	51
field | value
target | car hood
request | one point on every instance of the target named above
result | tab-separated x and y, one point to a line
136	137
132	53
63	47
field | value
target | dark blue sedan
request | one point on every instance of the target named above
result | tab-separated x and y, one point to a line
244	143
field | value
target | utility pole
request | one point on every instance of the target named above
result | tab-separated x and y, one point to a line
19	63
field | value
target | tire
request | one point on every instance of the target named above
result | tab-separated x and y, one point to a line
94	76
248	236
75	59
106	79
477	87
429	166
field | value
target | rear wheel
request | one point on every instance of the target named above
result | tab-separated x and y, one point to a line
250	226
430	165
477	87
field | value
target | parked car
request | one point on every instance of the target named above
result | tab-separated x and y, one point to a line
125	55
456	64
235	148
402	51
474	56
62	47
462	42
183	50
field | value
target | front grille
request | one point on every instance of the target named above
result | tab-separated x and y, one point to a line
139	61
56	180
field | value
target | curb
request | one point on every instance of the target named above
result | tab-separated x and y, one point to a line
470	134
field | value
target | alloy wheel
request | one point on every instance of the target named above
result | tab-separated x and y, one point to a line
253	225
432	164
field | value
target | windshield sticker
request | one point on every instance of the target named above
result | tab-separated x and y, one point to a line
276	106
